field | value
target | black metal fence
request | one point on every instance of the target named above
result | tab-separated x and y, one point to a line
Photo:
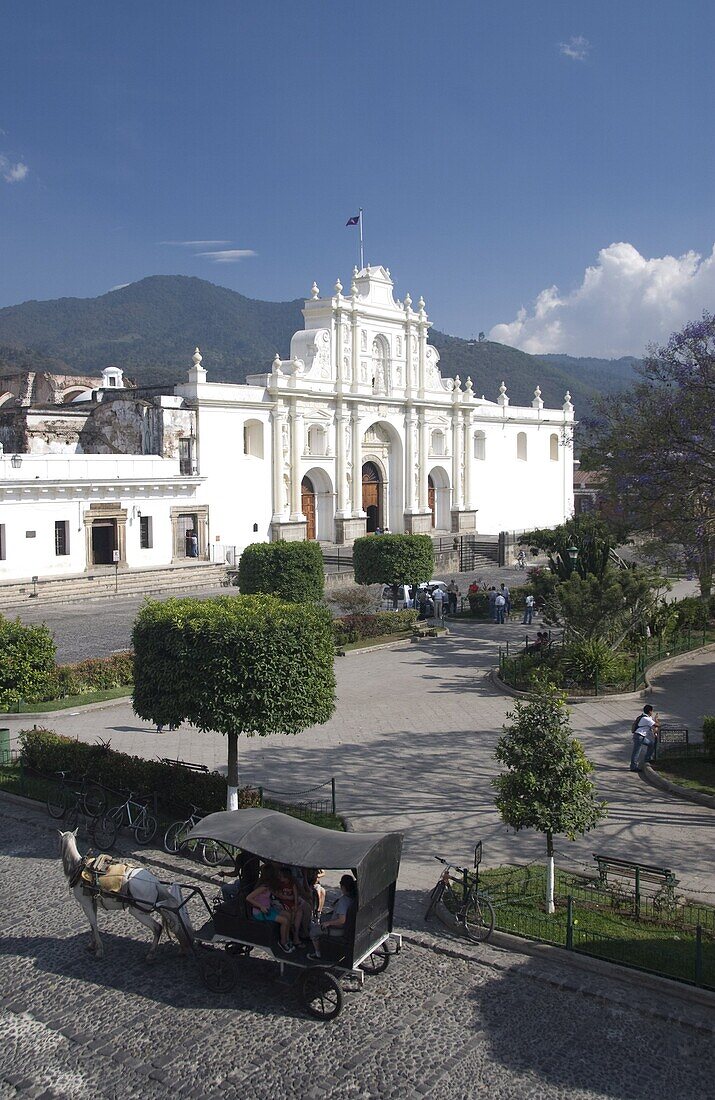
297	804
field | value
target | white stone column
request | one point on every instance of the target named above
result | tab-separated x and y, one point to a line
468	461
422	330
410	459
423	503
296	453
355	341
456	459
341	422
356	448
277	422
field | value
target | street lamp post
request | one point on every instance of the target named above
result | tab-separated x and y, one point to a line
572	552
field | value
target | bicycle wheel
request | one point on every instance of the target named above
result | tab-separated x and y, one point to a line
212	853
434	899
57	801
174	836
72	816
103	831
145	829
94	801
478	918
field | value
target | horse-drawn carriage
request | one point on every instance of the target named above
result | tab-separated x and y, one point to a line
367	940
363	945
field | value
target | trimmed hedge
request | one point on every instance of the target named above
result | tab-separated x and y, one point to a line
92	674
352	628
393	559
27	662
291	571
47	752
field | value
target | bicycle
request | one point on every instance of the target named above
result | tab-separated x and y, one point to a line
71	798
131	814
470	908
209	851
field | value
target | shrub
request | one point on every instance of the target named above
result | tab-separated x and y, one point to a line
692	613
352	628
592	660
356	599
92	674
541	581
27	662
393	559
291	571
709	733
45	751
479	603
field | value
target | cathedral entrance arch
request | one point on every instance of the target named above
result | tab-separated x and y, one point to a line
307	506
371	503
439	498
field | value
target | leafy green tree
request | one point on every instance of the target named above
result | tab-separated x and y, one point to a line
393	559
237	664
610	607
655	448
592	537
289	570
546	785
27	662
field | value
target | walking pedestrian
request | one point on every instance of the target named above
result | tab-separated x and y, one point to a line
492	597
528	610
645	731
499	607
453	595
507	597
438	597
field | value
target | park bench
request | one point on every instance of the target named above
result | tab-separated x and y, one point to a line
638	874
199	768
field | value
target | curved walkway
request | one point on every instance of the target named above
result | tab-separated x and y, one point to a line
411	746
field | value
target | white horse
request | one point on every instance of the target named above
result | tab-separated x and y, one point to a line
145	890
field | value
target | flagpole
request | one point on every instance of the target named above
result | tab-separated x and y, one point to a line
362	257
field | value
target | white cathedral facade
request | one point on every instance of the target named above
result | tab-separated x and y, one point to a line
357	430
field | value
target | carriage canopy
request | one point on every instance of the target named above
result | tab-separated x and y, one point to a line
279	838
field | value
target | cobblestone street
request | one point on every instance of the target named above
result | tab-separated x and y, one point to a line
433	1025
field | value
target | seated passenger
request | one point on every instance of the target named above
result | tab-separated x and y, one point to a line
285	892
266	907
311	896
333	924
246	868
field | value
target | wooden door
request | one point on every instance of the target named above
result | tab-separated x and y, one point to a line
431	500
371	496
307	506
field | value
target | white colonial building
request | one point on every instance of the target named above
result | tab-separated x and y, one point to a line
356	430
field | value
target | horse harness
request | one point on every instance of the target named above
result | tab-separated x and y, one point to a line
101	875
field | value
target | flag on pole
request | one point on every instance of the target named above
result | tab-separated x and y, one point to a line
353	221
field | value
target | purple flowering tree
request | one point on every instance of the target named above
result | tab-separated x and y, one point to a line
656	448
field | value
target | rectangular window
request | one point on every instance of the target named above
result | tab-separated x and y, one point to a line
145	533
2	542
186	457
62	538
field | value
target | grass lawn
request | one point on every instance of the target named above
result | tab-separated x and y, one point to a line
71	701
663	940
698	773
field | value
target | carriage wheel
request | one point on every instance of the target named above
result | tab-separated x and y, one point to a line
104	831
212	853
217	971
57	801
146	830
321	994
377	961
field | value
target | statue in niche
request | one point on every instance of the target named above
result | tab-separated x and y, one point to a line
399	346
286	493
285	443
363	340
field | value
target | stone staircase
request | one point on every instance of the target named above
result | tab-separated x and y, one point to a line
101	584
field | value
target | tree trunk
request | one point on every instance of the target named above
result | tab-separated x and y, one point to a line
232	777
550	907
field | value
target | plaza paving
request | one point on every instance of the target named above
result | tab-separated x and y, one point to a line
497	1023
411	747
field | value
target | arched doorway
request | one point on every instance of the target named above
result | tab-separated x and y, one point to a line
371	496
431	499
307	505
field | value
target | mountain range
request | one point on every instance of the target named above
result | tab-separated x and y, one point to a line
150	328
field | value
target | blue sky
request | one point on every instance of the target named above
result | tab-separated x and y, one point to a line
497	148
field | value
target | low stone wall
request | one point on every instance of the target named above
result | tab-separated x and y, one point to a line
339	580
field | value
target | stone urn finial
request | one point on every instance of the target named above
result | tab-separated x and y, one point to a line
196	358
338	287
314	291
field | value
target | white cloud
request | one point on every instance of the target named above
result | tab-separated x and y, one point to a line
195	244
12	173
577	48
624	303
228	256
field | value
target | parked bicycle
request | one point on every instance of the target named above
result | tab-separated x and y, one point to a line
176	835
131	814
470	908
73	798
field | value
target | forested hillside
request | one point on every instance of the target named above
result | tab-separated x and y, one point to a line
150	328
